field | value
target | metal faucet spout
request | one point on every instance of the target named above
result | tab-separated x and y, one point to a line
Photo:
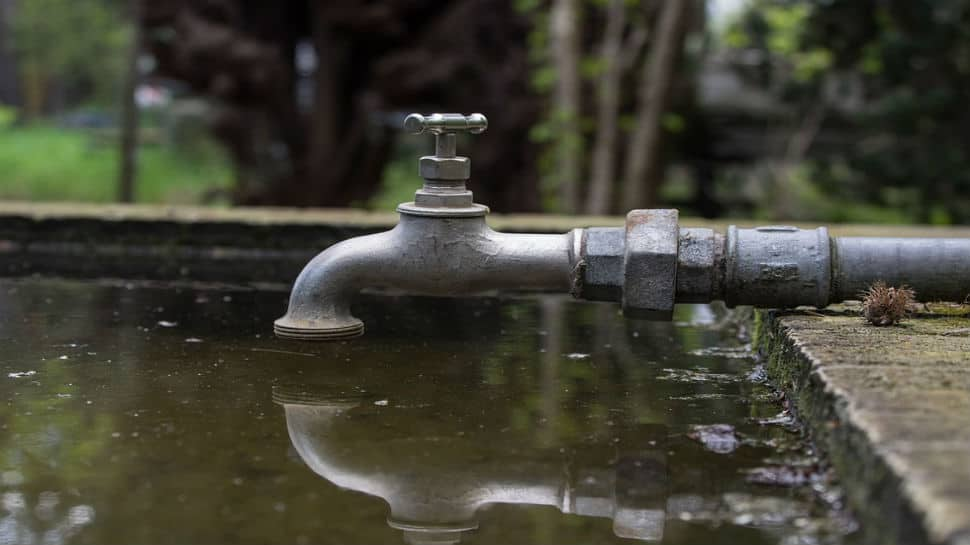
426	256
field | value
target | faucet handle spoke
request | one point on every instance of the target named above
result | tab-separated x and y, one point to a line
445	123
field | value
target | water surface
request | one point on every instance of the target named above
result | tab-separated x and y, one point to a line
137	413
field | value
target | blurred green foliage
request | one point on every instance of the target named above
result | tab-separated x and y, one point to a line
42	162
80	46
908	152
7	116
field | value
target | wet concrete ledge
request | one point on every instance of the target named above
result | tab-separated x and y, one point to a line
235	244
890	406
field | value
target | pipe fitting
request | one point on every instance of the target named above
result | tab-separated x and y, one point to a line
604	250
777	266
650	264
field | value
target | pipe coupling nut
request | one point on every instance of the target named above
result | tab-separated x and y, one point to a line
650	264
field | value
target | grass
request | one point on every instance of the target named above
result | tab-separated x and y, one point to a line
45	163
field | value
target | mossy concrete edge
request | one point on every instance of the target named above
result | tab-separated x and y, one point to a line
878	495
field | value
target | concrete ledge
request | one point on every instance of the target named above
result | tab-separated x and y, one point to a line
236	244
891	408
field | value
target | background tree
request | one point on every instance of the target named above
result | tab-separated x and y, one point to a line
321	133
67	52
894	74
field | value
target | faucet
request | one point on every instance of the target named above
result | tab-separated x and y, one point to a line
443	246
440	246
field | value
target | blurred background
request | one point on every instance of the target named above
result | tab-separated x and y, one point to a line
817	110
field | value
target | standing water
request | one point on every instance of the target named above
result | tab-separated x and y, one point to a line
169	414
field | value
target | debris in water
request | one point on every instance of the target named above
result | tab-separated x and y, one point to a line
20	374
739	352
782	475
166	323
719	438
577	356
784	419
758	375
697	375
193	340
381	403
884	305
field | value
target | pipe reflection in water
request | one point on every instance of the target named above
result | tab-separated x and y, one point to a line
435	481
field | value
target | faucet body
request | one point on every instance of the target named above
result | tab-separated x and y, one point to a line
442	246
424	255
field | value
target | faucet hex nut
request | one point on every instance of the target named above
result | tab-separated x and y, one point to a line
697	256
433	167
650	264
603	258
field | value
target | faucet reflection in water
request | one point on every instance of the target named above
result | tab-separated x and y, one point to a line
437	479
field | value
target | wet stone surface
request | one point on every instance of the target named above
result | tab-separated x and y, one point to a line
169	414
891	405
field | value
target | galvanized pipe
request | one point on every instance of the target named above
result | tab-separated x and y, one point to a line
775	266
937	268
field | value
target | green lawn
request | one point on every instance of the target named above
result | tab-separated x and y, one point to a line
46	163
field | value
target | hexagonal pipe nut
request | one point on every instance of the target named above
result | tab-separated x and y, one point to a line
444	168
650	264
603	264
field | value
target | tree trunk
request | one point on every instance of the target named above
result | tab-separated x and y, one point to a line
564	29
129	113
641	180
603	169
9	84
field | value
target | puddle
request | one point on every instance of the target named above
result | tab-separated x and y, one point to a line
514	420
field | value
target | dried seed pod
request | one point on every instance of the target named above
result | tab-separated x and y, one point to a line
884	305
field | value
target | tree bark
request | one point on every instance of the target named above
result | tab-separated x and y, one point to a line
129	113
9	84
642	179
564	30
603	169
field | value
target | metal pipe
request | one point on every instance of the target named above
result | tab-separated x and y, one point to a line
937	268
775	266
